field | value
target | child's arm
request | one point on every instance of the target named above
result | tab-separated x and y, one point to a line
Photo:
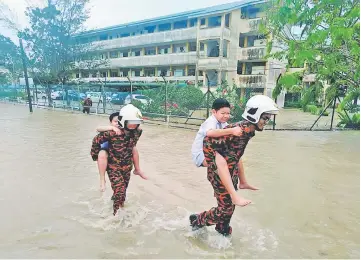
108	128
222	132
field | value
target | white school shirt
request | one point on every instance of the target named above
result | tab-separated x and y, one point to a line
197	146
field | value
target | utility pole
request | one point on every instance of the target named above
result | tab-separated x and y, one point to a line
23	57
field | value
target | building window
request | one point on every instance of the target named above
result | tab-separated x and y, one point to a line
192	46
164	27
201	46
113	54
149	29
123	73
150	51
103	74
212	49
180	24
250	12
104	56
227	19
103	37
114	74
241	40
214	21
136	73
77	75
124	54
191	71
179	48
239	67
193	22
149	72
203	21
135	53
178	72
164	49
163	72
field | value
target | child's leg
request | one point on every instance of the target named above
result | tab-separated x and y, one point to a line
102	166
225	176
119	177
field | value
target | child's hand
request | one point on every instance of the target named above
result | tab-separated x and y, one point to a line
237	131
116	130
140	173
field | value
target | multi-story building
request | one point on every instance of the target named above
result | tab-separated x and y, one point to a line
204	46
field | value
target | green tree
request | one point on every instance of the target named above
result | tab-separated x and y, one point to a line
50	39
9	59
324	35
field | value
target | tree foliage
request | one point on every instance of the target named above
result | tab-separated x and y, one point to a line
50	39
9	59
324	35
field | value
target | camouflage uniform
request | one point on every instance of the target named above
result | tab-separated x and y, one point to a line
120	160
231	148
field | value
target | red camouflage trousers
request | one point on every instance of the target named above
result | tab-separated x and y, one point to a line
221	214
119	177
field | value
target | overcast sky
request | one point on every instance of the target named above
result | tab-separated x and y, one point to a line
111	12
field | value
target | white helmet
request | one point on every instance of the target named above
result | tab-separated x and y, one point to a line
256	106
129	114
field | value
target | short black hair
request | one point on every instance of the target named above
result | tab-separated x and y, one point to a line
220	103
116	114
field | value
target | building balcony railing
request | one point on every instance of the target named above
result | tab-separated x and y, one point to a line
154	60
250	25
215	63
133	79
252	81
251	53
148	39
211	33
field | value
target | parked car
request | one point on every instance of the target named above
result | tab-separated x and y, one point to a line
56	95
40	94
144	99
119	98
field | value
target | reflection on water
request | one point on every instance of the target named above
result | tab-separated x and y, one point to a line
307	207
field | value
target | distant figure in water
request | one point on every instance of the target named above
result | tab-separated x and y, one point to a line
122	152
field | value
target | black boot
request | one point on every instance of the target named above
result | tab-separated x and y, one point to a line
193	222
224	229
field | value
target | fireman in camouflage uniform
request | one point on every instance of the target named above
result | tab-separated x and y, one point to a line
122	152
257	113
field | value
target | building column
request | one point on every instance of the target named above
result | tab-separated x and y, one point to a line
223	21
197	51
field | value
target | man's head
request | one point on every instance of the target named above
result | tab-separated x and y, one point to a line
113	118
221	109
259	110
129	117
